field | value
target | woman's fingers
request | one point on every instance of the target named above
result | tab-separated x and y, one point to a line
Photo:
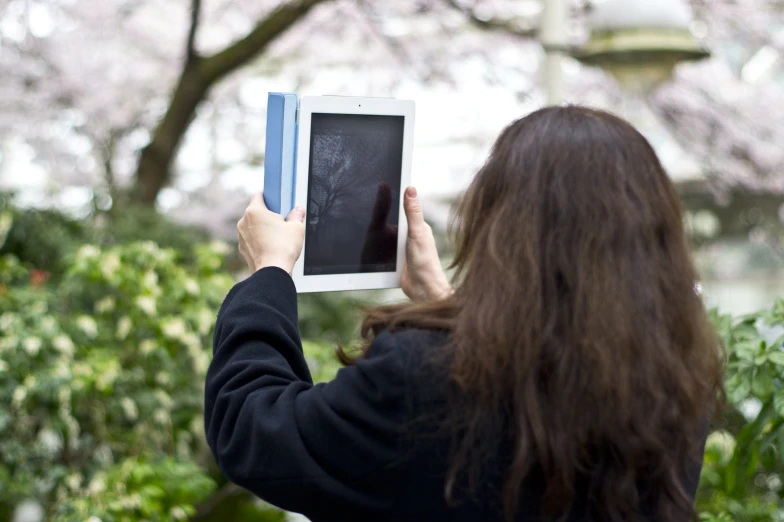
296	214
265	239
414	215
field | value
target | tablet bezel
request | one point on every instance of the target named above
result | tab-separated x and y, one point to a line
352	105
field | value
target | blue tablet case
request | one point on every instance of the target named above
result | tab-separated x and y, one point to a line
280	153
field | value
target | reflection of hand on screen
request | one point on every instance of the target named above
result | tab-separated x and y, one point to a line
380	245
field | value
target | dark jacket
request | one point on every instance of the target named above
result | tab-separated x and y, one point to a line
335	451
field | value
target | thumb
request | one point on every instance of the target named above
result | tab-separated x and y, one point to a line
296	214
258	199
413	209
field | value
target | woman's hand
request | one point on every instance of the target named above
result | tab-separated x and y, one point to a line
423	278
266	239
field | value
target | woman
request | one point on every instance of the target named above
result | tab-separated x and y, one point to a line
570	375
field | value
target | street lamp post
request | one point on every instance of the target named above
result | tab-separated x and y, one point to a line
553	39
639	42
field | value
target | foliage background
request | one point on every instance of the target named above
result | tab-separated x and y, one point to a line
104	348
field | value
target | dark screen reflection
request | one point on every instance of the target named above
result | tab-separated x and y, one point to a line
353	193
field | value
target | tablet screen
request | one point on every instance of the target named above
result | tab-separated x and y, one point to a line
353	193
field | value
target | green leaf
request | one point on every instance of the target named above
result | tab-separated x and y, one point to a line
762	385
777	313
778	401
738	388
745	332
152	491
747	350
777	357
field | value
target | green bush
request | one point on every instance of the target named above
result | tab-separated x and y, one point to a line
744	462
103	353
44	238
102	382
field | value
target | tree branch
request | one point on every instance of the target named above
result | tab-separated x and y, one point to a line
197	78
395	46
190	50
493	24
242	51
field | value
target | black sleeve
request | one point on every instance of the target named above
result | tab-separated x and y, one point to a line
327	451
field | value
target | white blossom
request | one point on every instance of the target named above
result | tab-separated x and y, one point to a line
178	513
147	346
163	378
173	328
192	341
131	502
124	326
109	265
87	252
107	304
68	102
7	320
723	441
201	361
6	220
48	324
63	344
51	441
204	320
28	511
197	425
74	481
88	325
107	377
19	395
146	303
97	485
32	345
3	366
161	416
150	280
150	247
103	455
220	247
64	398
62	369
73	429
164	399
129	408
191	286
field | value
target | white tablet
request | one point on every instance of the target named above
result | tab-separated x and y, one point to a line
353	165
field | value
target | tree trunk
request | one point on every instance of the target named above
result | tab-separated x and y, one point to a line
153	171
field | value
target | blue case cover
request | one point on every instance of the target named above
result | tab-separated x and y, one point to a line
280	154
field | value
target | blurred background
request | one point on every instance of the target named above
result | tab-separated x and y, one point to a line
131	138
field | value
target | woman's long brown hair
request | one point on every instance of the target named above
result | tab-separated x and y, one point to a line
575	325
